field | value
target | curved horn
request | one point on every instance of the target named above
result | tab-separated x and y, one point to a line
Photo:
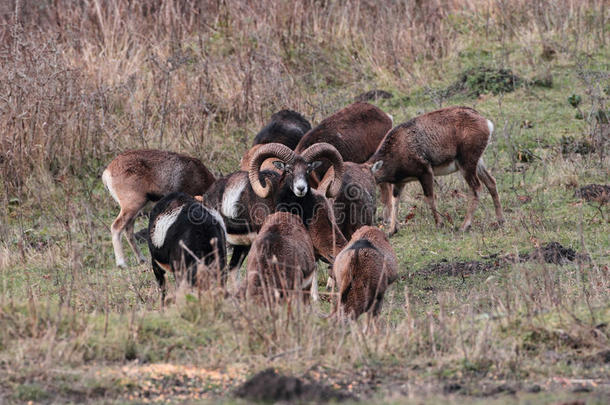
282	152
327	151
326	181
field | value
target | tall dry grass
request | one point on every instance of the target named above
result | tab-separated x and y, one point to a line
83	80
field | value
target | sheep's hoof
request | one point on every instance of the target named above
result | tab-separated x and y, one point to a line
465	228
121	265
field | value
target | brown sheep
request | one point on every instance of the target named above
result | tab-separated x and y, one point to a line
363	271
355	205
136	177
355	131
282	259
436	144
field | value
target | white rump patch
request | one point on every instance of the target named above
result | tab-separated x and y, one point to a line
445	169
162	224
107	180
242	239
230	199
490	125
391	118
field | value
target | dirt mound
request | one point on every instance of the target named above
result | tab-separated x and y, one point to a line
482	80
594	193
269	386
373	95
466	268
552	252
581	146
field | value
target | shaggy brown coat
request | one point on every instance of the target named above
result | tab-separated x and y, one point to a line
355	205
136	177
355	131
282	258
437	143
364	270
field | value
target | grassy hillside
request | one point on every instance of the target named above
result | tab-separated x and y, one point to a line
475	316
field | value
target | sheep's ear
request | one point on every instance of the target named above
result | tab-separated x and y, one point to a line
279	164
314	165
377	166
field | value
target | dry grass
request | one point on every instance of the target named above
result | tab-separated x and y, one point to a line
83	80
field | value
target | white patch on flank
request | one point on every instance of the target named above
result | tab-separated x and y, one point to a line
296	185
490	125
445	169
241	239
218	218
162	224
391	118
230	199
107	180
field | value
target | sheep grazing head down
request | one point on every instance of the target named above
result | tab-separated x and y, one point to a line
296	168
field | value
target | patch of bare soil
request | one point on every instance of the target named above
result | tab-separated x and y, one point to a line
599	193
580	146
270	386
460	268
552	253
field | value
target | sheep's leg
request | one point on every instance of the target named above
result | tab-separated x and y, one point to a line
386	201
131	239
237	258
128	213
490	184
314	286
427	184
395	203
330	283
117	228
470	174
160	276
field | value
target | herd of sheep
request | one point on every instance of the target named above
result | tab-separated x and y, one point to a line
302	194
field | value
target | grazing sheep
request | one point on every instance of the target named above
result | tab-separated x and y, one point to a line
363	271
436	144
136	177
184	233
242	211
292	192
355	205
355	131
286	127
282	258
245	203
